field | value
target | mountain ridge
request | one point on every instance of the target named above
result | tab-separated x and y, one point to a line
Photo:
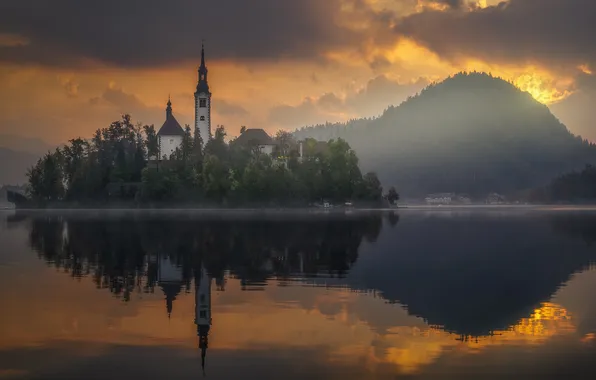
471	133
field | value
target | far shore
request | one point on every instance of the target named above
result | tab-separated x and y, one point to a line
308	210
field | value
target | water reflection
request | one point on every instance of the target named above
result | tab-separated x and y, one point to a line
392	293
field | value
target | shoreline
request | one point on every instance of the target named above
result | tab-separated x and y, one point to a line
306	209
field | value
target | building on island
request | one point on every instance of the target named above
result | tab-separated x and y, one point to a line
203	102
257	138
171	133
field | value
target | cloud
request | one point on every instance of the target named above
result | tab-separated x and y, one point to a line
226	108
379	93
577	112
122	33
114	100
306	112
553	33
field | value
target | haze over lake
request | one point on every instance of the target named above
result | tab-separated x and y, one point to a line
414	293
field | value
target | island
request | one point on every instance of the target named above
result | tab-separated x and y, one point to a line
121	166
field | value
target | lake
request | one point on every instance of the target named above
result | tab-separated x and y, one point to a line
418	294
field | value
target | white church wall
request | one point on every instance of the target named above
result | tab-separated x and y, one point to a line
267	149
203	117
168	144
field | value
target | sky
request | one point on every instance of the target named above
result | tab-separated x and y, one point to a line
68	67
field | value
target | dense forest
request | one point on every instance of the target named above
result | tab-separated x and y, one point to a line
472	133
575	187
114	167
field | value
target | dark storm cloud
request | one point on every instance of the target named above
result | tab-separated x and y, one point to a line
153	32
551	32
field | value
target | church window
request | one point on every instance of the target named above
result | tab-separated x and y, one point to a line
203	314
202	118
202	298
202	103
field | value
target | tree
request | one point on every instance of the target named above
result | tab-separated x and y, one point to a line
74	161
151	142
217	145
285	141
46	179
372	187
392	195
216	178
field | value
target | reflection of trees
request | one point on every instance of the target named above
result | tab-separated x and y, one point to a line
116	252
576	225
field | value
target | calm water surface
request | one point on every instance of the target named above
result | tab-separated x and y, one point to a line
415	294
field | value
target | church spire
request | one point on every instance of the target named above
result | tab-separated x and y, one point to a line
203	71
203	54
169	108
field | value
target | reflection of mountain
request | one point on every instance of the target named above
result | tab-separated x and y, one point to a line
472	274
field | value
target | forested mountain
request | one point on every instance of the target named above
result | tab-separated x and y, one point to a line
472	133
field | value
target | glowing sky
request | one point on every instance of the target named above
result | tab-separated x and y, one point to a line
68	67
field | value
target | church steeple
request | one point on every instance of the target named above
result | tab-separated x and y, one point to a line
203	56
169	108
203	102
203	85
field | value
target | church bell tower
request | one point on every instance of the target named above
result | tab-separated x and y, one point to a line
203	103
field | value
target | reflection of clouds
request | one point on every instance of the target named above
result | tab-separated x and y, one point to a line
346	326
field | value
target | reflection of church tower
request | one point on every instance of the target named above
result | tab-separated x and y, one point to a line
203	311
170	280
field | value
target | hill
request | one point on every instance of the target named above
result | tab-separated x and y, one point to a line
14	165
472	133
25	144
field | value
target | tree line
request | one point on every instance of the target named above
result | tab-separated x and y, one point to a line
576	187
118	164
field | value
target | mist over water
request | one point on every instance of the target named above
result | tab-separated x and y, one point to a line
460	293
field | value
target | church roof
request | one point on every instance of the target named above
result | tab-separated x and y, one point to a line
255	136
171	127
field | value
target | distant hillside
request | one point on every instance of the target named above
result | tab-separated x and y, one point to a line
472	133
14	165
25	144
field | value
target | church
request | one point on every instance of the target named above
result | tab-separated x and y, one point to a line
170	134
